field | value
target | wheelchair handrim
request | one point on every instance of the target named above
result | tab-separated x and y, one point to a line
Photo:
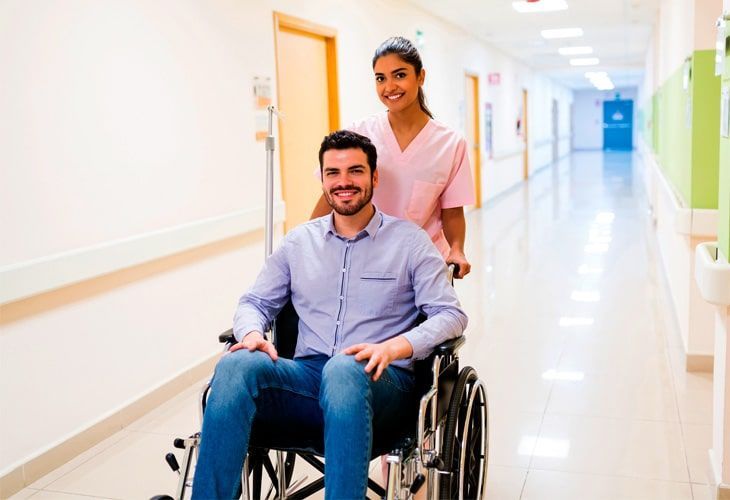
476	389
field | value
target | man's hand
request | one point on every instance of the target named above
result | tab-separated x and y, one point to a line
457	257
255	341
381	355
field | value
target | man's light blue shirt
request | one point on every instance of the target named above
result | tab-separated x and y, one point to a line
369	288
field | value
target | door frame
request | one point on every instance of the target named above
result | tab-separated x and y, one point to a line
473	78
330	37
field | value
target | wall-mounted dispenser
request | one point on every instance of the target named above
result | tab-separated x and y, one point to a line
721	48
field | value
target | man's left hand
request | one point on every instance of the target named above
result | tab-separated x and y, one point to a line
381	355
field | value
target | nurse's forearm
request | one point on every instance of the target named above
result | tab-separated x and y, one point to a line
321	208
454	224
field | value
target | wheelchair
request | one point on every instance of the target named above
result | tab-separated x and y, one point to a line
446	450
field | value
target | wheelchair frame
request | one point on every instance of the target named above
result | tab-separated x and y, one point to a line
453	410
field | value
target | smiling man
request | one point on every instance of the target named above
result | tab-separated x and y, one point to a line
359	280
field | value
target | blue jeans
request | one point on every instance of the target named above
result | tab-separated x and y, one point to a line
302	395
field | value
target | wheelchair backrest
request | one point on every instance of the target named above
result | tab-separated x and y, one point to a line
286	331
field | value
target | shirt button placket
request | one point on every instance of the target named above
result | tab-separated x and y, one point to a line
342	299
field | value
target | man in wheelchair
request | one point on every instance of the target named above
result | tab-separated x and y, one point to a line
358	279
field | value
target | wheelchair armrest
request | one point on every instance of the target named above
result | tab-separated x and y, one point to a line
450	346
227	337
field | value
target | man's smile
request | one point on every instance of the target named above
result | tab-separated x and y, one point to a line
345	194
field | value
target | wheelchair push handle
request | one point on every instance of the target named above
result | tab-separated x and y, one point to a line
453	270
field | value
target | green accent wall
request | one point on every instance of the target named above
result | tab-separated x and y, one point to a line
705	124
685	131
674	134
723	232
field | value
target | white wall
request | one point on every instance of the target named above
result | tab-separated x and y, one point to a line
675	37
505	169
588	116
121	118
682	27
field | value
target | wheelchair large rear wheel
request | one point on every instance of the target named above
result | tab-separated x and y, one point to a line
466	440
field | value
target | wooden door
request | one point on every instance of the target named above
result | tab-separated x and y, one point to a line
307	91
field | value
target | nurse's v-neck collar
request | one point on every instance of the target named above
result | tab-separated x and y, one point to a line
420	138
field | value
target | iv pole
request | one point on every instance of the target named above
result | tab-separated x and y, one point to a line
270	147
268	248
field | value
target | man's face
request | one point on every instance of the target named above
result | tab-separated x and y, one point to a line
346	180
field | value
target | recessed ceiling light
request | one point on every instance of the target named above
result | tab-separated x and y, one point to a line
602	81
524	7
584	61
562	33
575	51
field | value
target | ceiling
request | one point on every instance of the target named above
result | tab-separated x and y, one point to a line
618	30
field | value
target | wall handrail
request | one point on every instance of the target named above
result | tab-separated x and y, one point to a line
26	279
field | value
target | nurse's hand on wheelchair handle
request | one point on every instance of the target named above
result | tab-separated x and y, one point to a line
381	355
458	258
255	341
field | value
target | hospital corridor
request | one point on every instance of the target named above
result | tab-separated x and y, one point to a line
570	157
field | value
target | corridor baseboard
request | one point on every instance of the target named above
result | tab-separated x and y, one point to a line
29	472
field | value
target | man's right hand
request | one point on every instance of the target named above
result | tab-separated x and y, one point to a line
255	341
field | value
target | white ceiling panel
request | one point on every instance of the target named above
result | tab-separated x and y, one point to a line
618	30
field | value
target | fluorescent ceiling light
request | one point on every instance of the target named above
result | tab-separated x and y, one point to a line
584	61
562	33
575	51
601	81
524	7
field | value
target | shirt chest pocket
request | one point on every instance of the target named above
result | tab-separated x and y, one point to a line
377	291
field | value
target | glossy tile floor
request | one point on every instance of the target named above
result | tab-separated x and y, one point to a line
571	329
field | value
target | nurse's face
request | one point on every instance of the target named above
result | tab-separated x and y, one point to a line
397	83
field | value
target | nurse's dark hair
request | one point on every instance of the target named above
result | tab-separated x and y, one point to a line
404	48
345	139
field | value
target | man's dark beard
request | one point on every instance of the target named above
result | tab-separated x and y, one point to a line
351	209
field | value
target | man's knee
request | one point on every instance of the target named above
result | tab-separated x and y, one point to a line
344	381
242	368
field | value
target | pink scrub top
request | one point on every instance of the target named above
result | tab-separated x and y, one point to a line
431	174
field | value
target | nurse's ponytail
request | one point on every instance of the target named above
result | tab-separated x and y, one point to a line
403	48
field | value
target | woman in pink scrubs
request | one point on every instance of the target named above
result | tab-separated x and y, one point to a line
423	165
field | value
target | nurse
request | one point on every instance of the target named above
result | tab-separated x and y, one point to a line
423	165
